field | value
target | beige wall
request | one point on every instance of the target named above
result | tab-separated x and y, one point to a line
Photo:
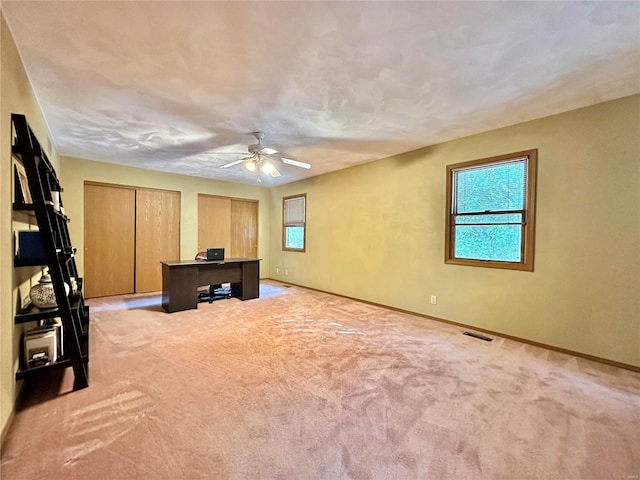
16	96
74	172
376	232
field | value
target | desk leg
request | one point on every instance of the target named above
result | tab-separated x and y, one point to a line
250	286
179	288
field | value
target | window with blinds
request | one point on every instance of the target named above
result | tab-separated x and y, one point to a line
490	211
294	213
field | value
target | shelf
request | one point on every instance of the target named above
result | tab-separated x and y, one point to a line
27	372
31	313
24	207
59	364
53	233
27	263
29	209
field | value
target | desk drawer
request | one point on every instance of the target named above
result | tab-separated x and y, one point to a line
219	273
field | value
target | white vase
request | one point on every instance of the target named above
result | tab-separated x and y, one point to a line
42	294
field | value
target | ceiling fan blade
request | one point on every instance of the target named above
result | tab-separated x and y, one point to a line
213	152
235	162
274	172
295	163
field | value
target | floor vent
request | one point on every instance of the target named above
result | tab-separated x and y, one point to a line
479	336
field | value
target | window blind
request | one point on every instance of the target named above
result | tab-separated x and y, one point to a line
490	188
294	211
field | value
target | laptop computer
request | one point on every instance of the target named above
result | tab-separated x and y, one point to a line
215	254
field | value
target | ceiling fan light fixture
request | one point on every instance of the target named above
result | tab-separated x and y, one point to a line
267	168
250	165
268	151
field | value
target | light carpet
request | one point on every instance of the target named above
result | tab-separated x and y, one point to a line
300	384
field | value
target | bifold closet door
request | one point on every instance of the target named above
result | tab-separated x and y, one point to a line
244	229
228	223
214	223
109	239
157	236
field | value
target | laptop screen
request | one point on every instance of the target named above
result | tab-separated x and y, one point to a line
215	254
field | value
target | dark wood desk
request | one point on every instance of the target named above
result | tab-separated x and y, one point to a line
181	279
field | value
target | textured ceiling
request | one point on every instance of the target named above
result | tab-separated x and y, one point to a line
164	85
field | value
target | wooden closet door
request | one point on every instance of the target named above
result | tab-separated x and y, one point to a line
109	239
244	229
157	236
214	223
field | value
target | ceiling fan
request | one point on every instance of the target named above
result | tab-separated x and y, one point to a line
261	159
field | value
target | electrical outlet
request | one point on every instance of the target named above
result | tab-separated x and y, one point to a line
286	272
277	269
434	300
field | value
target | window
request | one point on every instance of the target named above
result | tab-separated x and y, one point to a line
294	212
491	212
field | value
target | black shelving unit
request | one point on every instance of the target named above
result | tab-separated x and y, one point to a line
60	256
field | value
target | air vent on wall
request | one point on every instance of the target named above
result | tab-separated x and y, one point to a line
479	336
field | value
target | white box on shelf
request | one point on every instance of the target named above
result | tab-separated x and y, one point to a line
40	346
